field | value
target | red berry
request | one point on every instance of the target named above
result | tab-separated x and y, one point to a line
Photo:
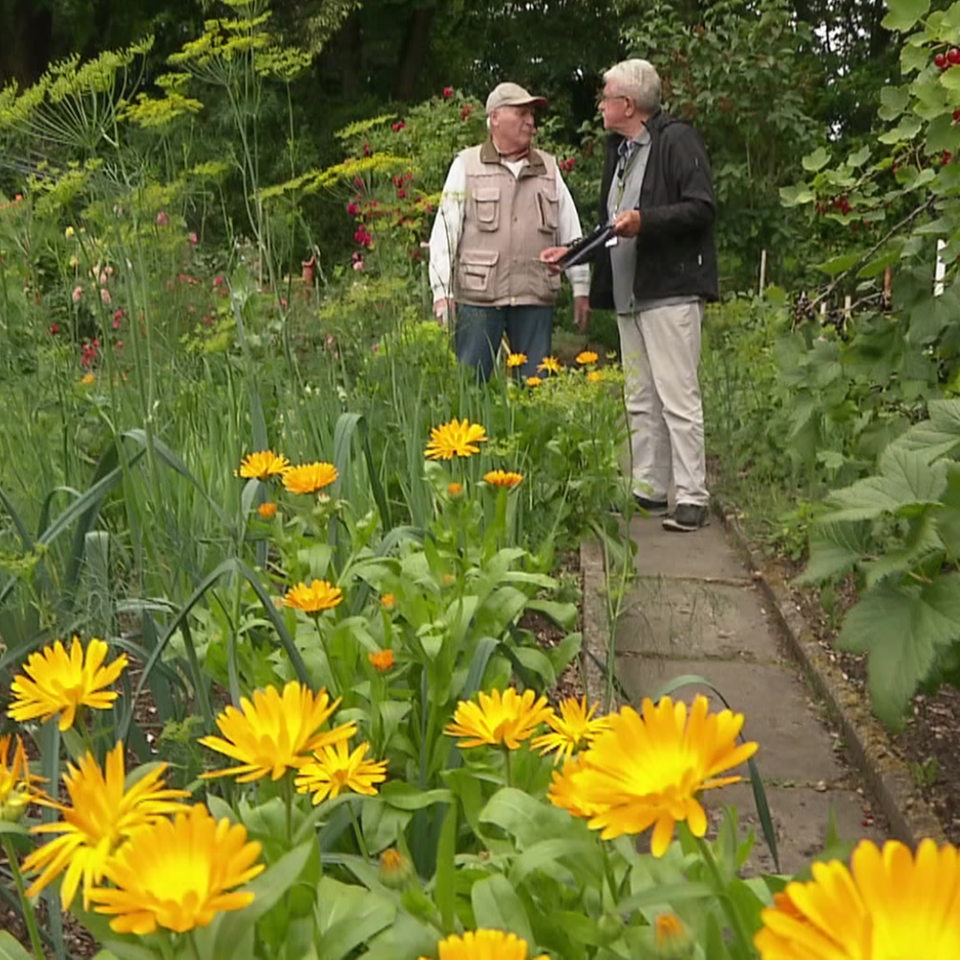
940	61
956	116
953	55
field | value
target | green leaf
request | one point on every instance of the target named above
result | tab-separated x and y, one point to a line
403	796
443	880
936	437
815	161
901	628
10	949
859	158
903	14
524	817
839	264
583	854
906	480
893	101
835	548
796	196
497	906
348	917
906	129
564	615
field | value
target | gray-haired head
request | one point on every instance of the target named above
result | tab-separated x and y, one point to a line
638	80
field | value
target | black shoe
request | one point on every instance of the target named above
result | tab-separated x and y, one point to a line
651	506
686	518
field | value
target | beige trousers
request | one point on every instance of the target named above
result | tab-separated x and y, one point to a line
661	353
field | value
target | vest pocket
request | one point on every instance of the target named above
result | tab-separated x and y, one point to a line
549	208
486	205
477	274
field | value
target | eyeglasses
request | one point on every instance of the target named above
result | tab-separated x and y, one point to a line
603	98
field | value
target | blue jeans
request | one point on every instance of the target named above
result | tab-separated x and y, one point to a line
479	330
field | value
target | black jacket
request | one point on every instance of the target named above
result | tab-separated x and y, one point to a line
676	253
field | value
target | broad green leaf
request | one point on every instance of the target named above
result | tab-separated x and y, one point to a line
900	628
524	817
815	161
859	158
922	543
496	905
10	949
403	796
838	264
835	548
348	917
893	101
564	615
581	853
903	14
795	196
906	129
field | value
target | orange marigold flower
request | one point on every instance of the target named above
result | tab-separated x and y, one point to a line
267	510
594	376
587	356
502	478
458	438
310	477
550	365
454	489
313	597
388	601
516	360
382	660
262	465
533	381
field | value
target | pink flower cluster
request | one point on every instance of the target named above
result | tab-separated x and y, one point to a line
567	165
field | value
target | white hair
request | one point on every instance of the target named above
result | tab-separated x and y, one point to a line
638	80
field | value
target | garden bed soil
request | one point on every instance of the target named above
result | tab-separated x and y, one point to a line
928	742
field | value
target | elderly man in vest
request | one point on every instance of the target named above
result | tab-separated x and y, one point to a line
503	204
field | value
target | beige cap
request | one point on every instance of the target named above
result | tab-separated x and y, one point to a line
512	95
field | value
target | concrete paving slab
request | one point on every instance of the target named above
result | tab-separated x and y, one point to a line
800	821
684	618
703	554
779	713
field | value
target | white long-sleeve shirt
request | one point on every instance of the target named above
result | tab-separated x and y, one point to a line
448	225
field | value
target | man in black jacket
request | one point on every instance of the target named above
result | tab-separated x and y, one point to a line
657	194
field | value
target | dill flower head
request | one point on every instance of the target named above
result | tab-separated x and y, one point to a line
262	465
484	945
502	478
516	360
573	729
382	660
496	718
310	477
275	732
458	438
335	769
178	874
648	769
313	597
17	783
104	813
57	682
889	904
586	357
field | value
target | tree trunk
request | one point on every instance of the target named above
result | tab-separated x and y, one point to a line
413	55
25	41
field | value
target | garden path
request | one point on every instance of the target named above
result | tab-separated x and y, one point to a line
694	609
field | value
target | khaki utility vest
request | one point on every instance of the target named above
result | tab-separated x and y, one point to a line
507	222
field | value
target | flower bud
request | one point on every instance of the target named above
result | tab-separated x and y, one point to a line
396	870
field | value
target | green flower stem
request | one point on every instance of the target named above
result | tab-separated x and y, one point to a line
361	843
192	942
507	766
608	874
288	805
729	908
29	915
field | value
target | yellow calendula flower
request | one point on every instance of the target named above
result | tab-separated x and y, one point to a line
516	360
533	381
103	815
57	682
573	729
502	478
649	768
594	376
586	357
310	477
178	874
550	365
388	601
275	732
335	769
263	465
313	597
500	719
484	945
889	904
17	783
458	438
88	379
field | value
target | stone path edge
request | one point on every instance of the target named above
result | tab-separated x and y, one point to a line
887	777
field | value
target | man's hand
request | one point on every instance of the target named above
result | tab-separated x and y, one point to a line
627	224
445	310
581	313
551	256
